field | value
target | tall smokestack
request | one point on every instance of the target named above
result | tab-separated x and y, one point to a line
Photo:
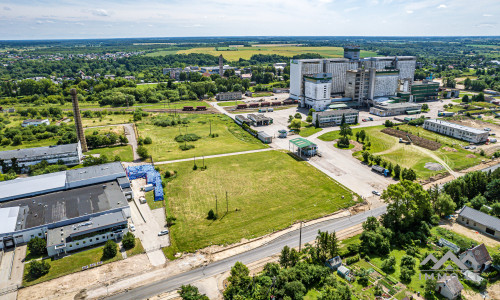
221	66
78	121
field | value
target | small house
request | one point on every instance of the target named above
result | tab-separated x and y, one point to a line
478	258
449	287
334	263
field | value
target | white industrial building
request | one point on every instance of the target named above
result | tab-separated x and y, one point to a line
386	109
34	206
460	132
384	75
334	117
35	122
69	154
317	91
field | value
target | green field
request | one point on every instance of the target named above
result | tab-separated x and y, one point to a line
124	152
308	131
70	264
230	103
410	156
267	191
107	120
31	144
232	138
138	249
162	53
288	51
150	199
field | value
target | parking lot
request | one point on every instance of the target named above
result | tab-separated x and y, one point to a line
148	223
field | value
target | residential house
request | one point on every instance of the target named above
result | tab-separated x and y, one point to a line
479	259
449	287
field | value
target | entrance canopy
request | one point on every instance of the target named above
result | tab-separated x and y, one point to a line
302	143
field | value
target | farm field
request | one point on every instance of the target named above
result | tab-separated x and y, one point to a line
70	264
410	156
267	191
247	52
231	137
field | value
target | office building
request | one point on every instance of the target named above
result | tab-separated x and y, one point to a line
422	91
69	154
334	117
228	96
393	109
460	132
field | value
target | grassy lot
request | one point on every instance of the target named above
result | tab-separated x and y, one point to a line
150	199
261	94
171	105
267	191
308	131
146	86
230	103
31	144
107	120
138	249
70	264
247	52
162	53
232	138
391	150
124	152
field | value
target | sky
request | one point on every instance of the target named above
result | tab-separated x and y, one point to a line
71	19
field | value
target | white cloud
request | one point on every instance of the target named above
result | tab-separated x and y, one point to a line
442	6
80	23
487	15
6	8
100	12
352	8
409	11
486	25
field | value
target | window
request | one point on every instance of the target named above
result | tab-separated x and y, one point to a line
90	240
474	223
96	239
490	231
70	245
32	236
39	234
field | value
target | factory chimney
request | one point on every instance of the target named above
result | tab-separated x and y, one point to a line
221	66
78	121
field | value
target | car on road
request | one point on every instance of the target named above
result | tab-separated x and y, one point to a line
132	227
487	129
376	193
467	147
163	232
364	120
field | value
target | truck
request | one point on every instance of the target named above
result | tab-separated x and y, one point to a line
380	170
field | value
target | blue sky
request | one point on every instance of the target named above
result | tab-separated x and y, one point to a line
66	19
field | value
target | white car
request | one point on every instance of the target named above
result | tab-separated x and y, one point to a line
132	227
376	193
487	129
163	232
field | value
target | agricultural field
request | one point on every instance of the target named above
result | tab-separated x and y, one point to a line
411	156
267	191
230	137
247	52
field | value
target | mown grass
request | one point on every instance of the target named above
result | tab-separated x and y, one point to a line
69	264
138	249
150	199
124	152
308	131
231	137
267	191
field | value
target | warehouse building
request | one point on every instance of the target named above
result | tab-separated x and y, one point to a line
367	84
334	117
229	96
386	109
460	132
479	221
31	207
69	154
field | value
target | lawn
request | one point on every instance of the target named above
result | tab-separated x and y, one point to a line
150	199
231	137
267	191
412	156
124	152
70	264
308	131
290	51
230	103
32	144
107	120
138	249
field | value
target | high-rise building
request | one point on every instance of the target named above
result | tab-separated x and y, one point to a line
380	76
221	65
78	121
317	91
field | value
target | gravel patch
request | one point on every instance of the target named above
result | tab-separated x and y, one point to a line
433	166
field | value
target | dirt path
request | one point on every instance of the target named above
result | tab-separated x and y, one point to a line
439	160
472	234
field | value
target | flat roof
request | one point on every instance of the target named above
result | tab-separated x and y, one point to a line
480	217
69	204
302	143
8	215
61	234
33	152
397	105
456	126
114	168
337	112
30	185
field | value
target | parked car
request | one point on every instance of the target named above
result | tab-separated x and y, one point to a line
487	129
364	120
163	232
376	193
142	199
132	227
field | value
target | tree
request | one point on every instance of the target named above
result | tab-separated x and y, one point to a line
465	98
430	287
148	141
298	116
362	135
363	278
17	140
239	281
309	119
142	152
38	268
478	202
495	209
211	215
357	136
366	156
496	258
128	240
326	246
444	205
467	84
190	292
171	220
493	190
388	123
425	107
405	275
284	257
110	249
397	171
37	246
317	122
295	289
388	264
408	174
342	122
296	124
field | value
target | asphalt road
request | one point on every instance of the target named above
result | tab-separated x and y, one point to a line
290	239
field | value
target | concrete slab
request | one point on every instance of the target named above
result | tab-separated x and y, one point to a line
156	257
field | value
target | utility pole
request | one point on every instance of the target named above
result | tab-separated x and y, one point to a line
300	236
227	204
203	161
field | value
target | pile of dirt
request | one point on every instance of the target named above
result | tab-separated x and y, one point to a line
433	166
470	156
449	149
419	141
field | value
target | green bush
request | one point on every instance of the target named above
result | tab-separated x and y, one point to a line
190	137
38	268
148	141
142	152
109	250
128	240
186	147
37	246
352	260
